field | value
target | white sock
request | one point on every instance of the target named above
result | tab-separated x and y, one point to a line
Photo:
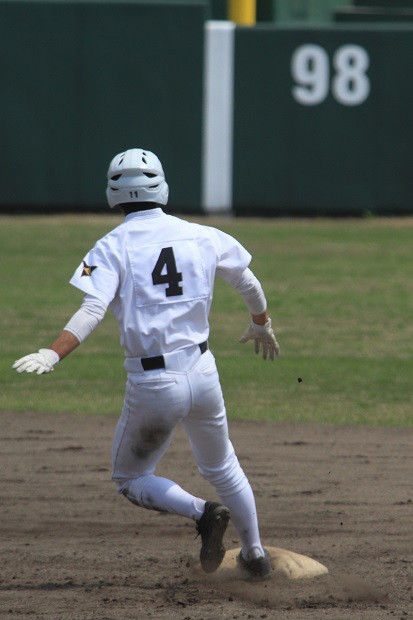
156	493
244	518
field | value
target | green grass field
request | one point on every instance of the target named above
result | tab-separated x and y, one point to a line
340	293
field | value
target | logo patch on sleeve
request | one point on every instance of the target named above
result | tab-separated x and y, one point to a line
87	269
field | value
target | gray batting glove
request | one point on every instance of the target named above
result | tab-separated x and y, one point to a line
41	363
263	335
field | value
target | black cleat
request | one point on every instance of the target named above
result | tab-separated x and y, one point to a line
259	568
211	526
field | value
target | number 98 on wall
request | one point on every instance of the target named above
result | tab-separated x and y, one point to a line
348	81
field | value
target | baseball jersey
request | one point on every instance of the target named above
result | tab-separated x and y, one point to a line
156	273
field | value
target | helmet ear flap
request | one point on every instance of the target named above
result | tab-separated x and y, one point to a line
163	200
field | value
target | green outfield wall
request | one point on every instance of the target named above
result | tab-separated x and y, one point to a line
272	119
82	81
323	120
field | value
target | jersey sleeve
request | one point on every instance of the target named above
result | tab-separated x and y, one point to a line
232	257
98	273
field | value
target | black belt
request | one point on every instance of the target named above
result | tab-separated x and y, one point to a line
153	363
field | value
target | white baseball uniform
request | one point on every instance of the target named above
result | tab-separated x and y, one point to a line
156	273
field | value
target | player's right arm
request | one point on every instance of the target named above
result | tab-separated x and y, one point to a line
260	328
232	266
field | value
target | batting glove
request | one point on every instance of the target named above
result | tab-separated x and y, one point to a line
263	335
41	363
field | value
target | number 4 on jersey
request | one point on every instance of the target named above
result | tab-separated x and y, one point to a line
172	277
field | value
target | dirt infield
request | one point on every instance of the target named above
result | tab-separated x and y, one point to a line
71	548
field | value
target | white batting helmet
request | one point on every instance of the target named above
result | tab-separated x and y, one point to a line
136	175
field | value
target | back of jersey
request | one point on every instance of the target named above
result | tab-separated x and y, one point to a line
167	263
157	272
168	282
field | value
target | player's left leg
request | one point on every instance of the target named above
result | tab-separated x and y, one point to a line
154	404
152	408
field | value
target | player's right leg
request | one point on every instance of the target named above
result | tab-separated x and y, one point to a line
207	428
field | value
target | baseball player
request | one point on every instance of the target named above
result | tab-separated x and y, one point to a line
156	273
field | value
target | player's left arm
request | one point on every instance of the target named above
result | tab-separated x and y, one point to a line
80	326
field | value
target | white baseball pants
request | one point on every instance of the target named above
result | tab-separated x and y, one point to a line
186	391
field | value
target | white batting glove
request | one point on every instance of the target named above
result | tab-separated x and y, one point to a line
263	335
41	363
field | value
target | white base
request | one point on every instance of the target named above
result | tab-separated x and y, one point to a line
284	563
